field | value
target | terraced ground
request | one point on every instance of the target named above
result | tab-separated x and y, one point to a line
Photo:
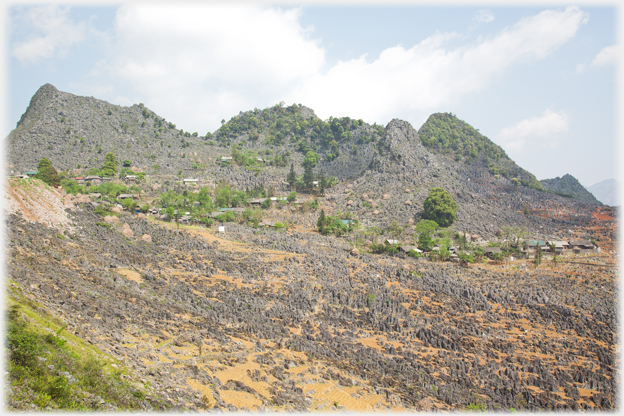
261	319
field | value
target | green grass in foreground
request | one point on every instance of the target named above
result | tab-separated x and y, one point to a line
47	371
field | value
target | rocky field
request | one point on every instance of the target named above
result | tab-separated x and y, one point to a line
266	320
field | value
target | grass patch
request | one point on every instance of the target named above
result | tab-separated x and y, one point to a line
50	368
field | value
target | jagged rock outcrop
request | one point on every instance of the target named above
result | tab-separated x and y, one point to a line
569	186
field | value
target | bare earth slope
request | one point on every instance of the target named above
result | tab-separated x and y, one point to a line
291	321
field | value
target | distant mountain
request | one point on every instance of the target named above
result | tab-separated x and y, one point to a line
606	191
570	187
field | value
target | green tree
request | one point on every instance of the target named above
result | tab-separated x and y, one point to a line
322	182
47	173
311	159
320	223
292	197
440	207
129	204
538	255
292	177
308	177
110	165
425	242
170	211
204	199
426	225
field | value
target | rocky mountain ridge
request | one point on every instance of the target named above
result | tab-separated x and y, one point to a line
569	186
389	169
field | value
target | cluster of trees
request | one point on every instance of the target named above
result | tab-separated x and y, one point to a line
280	124
306	181
328	224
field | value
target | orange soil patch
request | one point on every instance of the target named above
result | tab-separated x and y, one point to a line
240	399
131	275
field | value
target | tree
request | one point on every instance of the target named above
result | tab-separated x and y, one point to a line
538	255
440	207
311	159
425	242
292	176
129	204
322	182
426	225
292	197
110	165
204	199
47	173
308	176
320	223
170	210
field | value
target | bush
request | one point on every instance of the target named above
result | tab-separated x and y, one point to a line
267	203
129	204
278	225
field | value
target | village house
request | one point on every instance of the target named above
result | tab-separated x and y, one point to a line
131	196
490	252
94	179
582	246
130	178
31	174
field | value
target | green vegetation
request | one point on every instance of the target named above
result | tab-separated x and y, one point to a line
110	165
47	173
50	372
446	134
279	125
440	207
327	224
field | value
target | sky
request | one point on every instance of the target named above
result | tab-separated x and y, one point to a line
540	81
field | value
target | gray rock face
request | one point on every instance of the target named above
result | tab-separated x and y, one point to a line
383	179
569	185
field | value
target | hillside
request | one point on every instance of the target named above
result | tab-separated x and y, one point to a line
445	134
570	187
384	173
267	320
606	191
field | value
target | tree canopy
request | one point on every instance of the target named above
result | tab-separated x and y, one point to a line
47	173
440	207
110	165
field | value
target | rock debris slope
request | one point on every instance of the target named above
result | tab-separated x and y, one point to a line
291	321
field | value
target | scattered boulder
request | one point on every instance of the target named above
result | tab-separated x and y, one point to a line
126	231
111	219
355	251
146	238
386	196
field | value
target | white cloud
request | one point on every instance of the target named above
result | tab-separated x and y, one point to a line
429	75
196	63
606	56
535	131
483	16
56	32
